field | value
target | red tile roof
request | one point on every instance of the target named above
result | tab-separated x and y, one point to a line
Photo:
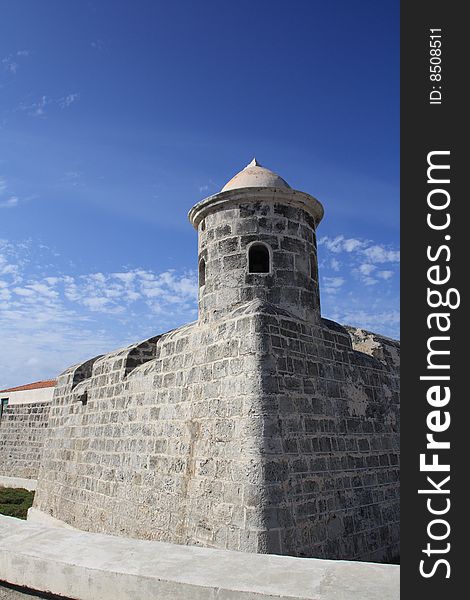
32	386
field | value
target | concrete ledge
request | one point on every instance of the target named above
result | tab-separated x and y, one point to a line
87	566
18	482
41	518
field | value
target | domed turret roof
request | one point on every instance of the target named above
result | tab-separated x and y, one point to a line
254	175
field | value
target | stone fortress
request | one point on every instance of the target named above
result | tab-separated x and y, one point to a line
260	427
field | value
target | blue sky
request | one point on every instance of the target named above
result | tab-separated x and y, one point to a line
116	117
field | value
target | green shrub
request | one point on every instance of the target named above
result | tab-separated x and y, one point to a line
14	502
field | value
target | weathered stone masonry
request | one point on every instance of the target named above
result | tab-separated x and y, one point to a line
22	433
260	427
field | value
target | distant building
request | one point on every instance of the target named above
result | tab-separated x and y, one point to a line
39	391
24	413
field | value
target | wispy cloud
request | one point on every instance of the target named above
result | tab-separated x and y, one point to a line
39	106
10	63
332	284
7	200
379	254
117	292
359	284
367	268
97	44
68	100
362	257
206	187
341	244
73	179
375	321
51	320
335	264
10	202
385	274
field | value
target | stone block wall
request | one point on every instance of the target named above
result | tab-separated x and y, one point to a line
166	451
330	441
225	236
259	432
22	433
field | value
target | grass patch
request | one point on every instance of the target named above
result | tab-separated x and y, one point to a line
14	502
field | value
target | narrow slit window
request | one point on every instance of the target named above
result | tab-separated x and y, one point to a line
313	267
258	259
202	272
3	405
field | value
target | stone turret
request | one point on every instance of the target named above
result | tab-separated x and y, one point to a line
256	240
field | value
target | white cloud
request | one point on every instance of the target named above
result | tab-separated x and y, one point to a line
24	291
7	200
8	270
335	264
44	288
10	202
333	245
68	100
38	108
332	284
352	244
10	62
51	280
126	277
356	285
51	321
341	244
206	187
96	303
380	254
97	44
109	292
367	268
375	253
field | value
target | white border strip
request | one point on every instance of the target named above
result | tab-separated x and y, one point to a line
87	566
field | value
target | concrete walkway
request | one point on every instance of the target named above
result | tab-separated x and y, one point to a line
89	566
7	593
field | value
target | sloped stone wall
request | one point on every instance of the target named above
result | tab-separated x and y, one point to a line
22	434
165	451
331	441
259	432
